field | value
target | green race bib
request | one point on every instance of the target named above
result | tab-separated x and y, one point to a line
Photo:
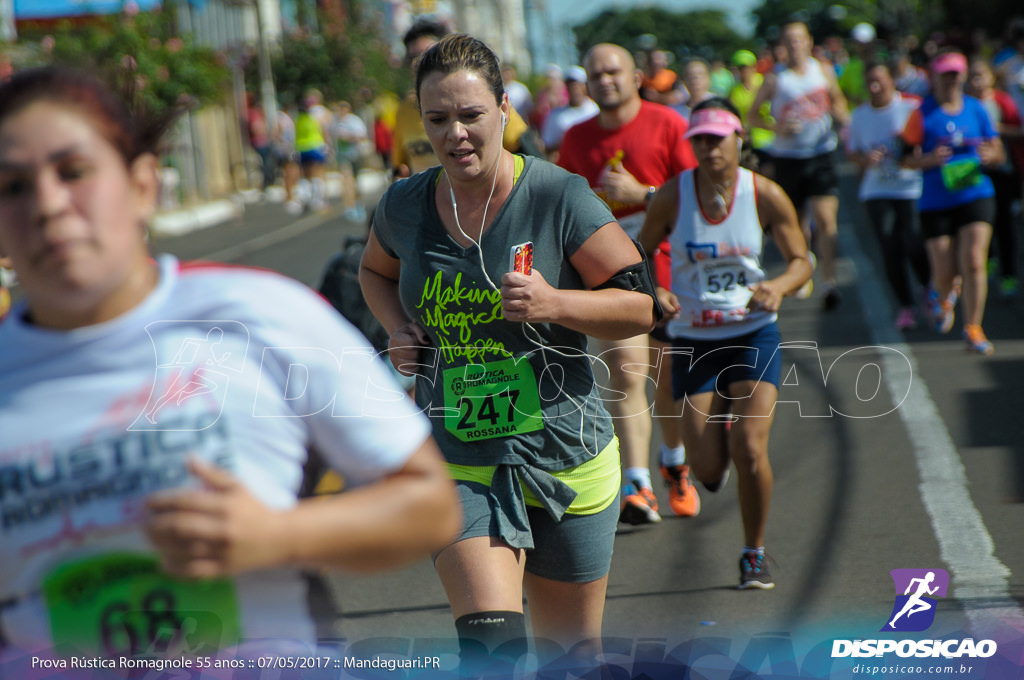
123	604
961	174
494	399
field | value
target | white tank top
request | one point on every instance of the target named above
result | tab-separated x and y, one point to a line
713	263
805	98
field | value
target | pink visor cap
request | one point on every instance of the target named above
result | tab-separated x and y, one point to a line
949	63
717	122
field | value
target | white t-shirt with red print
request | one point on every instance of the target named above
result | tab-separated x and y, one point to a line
243	368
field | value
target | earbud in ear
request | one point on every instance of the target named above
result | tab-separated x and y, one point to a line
739	144
504	120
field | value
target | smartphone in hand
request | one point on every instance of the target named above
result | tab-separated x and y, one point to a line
521	258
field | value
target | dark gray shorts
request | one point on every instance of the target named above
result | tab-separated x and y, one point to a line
578	549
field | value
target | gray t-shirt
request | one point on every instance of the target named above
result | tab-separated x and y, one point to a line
443	289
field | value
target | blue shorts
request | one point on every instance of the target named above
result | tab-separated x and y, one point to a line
708	365
577	549
313	156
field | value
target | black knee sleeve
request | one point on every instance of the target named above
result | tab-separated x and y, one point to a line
490	642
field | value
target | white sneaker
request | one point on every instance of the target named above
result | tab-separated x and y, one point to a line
293	208
356	214
805	290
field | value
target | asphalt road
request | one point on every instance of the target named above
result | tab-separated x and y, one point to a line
889	451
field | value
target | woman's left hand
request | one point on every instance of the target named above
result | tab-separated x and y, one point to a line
767	296
528	298
212	531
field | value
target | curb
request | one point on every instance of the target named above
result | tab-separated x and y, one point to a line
210	214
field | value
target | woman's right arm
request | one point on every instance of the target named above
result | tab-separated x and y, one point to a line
378	277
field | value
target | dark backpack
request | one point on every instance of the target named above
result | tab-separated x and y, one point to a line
340	286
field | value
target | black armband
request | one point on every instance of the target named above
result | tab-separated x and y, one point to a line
636	277
903	150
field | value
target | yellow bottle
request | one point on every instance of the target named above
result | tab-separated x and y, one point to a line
614	162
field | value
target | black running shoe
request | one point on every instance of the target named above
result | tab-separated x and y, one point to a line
715	487
754	572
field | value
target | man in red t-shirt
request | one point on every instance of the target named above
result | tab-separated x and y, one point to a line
628	150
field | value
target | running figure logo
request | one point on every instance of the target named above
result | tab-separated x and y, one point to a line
914	609
194	361
198	383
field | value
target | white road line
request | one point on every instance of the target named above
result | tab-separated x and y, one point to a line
979	579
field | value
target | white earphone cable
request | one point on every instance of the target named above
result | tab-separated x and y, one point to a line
539	342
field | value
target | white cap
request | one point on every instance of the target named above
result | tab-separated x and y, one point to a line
576	73
863	33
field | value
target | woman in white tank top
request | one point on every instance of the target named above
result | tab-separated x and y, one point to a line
723	310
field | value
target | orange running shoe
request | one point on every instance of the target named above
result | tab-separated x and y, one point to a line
682	495
976	340
639	507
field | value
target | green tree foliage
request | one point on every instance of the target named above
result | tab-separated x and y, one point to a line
991	16
705	33
141	55
819	19
891	18
337	64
